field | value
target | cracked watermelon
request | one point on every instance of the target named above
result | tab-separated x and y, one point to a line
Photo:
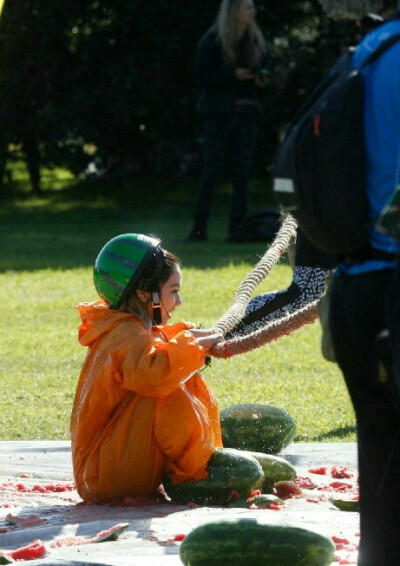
275	469
228	471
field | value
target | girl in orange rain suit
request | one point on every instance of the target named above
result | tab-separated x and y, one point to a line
141	408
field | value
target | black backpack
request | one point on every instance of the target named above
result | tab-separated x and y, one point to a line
319	169
261	226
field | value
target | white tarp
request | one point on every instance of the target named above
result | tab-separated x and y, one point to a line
38	501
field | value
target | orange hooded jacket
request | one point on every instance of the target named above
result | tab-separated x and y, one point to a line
141	409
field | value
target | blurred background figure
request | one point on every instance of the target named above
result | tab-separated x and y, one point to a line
230	66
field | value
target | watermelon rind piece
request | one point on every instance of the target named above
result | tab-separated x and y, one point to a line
345	504
112	533
261	501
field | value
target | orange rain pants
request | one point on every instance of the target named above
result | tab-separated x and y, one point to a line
141	409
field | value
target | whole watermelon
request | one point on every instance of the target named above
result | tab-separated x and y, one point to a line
228	471
258	428
275	469
246	542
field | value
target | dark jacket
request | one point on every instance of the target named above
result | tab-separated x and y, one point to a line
307	255
219	86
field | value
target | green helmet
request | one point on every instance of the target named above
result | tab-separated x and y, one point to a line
120	263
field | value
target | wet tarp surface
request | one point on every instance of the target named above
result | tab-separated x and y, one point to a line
38	502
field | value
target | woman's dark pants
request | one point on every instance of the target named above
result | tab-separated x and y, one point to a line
229	139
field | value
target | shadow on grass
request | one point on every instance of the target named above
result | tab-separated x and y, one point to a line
66	228
340	434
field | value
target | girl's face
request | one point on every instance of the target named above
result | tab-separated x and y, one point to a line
246	14
170	295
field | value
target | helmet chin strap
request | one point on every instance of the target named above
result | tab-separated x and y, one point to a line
156	304
154	287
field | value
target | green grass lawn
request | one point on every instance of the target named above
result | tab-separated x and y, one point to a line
48	246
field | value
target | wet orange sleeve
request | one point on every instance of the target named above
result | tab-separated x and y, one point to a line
155	368
170	331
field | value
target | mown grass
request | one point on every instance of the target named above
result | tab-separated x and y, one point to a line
48	246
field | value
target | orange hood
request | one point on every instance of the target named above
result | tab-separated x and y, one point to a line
97	319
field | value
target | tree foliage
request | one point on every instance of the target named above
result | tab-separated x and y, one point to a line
114	78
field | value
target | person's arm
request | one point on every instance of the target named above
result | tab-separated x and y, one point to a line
261	81
209	340
204	335
263	76
154	368
209	68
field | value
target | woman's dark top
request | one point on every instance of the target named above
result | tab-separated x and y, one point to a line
220	88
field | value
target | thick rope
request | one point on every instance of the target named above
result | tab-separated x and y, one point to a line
272	331
273	254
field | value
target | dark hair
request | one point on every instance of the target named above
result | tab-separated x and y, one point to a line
169	264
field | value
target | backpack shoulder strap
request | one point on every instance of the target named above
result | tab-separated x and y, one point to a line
384	46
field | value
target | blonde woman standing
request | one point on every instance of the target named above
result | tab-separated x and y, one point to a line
230	67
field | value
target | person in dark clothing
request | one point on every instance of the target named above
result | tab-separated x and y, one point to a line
230	66
310	269
358	310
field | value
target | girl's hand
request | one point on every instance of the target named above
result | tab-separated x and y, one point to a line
243	74
209	341
200	332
